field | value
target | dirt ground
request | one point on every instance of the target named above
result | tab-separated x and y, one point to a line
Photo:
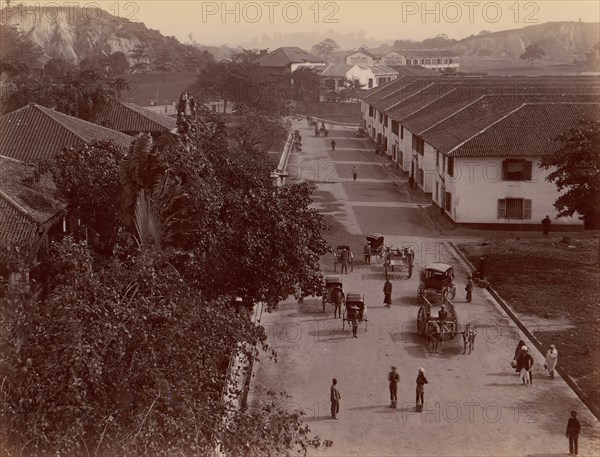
554	284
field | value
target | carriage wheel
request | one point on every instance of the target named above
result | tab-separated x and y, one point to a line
444	293
385	269
452	291
421	293
380	257
421	321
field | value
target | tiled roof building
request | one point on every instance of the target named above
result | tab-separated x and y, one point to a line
35	132
132	119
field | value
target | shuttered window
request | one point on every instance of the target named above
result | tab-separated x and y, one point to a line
450	166
514	208
448	205
516	170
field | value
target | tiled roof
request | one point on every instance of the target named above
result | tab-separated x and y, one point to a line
398	111
128	117
365	52
528	130
399	94
24	207
414	70
337	71
35	132
379	69
284	56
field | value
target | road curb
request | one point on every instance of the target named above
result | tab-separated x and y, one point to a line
570	382
343	124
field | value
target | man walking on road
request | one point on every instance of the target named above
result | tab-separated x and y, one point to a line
355	327
469	289
333	145
421	381
394	378
344	255
387	293
573	429
354	173
337	296
335	399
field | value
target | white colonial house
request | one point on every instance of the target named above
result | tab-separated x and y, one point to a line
434	59
369	76
494	177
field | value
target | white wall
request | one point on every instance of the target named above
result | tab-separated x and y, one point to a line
359	58
477	186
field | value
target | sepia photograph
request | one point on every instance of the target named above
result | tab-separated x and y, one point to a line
354	228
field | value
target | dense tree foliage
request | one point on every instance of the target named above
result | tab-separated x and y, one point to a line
128	352
85	94
576	171
325	47
17	52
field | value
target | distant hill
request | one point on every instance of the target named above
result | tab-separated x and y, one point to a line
75	33
555	38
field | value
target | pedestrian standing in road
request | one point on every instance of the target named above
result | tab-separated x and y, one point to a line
367	253
333	145
355	327
551	360
335	399
421	381
518	352
354	173
469	289
394	379
546	225
573	429
344	255
387	293
337	295
481	268
526	363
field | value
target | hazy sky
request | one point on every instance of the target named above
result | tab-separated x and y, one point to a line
234	23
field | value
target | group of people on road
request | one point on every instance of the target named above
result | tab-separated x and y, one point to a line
523	362
394	380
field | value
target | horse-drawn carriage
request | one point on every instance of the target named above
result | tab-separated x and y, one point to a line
355	309
437	277
342	254
441	327
376	240
329	290
401	259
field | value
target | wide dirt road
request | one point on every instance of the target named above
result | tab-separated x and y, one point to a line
474	404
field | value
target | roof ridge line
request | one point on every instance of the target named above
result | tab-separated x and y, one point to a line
486	128
432	102
453	114
411	96
18	207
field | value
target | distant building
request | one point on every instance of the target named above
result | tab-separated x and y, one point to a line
438	60
369	76
361	57
282	62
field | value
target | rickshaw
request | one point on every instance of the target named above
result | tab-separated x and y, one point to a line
432	327
402	259
437	277
354	308
331	282
377	247
338	253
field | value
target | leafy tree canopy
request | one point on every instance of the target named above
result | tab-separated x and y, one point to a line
576	170
325	47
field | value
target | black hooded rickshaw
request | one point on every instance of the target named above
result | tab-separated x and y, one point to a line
355	309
